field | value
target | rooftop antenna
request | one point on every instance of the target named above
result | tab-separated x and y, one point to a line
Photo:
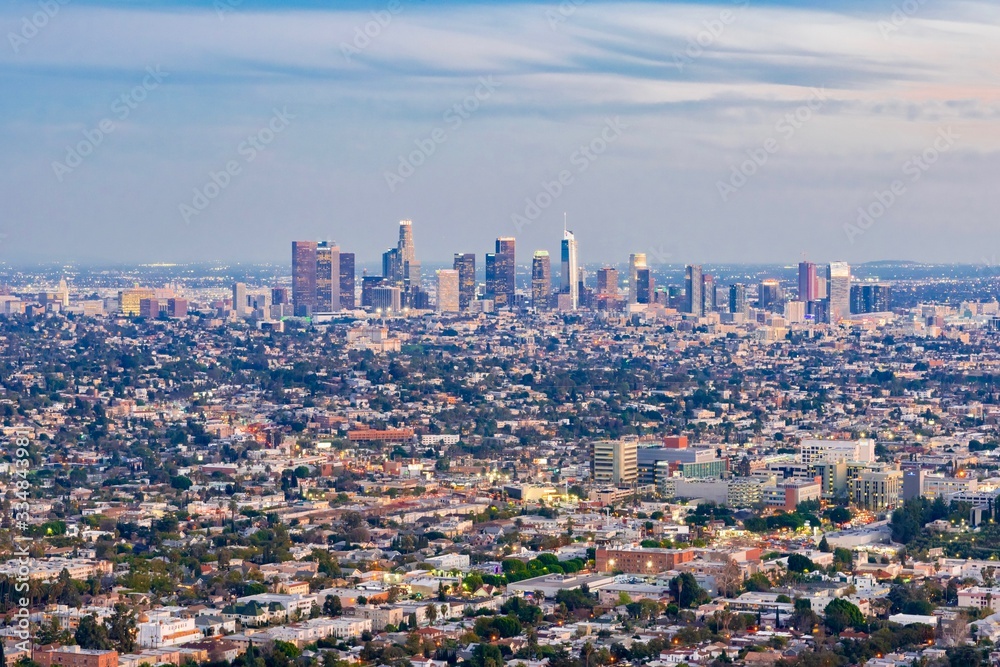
564	222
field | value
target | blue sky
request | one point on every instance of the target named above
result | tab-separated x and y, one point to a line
726	132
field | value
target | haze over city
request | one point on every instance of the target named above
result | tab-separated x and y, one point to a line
727	132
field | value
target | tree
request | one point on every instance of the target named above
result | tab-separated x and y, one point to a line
800	563
332	606
730	580
430	611
122	628
841	614
824	546
686	591
92	635
486	655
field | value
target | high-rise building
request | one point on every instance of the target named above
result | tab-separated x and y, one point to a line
636	262
607	282
871	298
388	300
465	264
506	272
304	277
368	285
392	266
615	462
708	294
448	291
279	295
240	299
408	263
347	287
541	280
770	295
838	279
492	282
327	277
808	282
693	297
645	286
738	299
570	270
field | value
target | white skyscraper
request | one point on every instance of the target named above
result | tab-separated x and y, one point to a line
838	283
636	261
570	270
240	299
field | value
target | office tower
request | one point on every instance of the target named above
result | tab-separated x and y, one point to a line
392	267
770	295
279	295
838	280
541	280
645	288
448	291
240	299
614	462
491	277
693	296
347	284
707	294
465	264
408	264
327	277
304	277
570	271
177	307
63	293
795	312
388	300
808	282
636	262
738	299
870	298
506	272
607	282
368	285
877	489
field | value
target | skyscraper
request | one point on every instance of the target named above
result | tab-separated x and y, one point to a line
870	298
392	266
645	287
607	281
491	277
327	277
770	295
541	280
570	274
304	277
506	272
838	280
707	294
347	298
465	264
448	291
636	261
407	254
808	282
694	295
738	298
240	299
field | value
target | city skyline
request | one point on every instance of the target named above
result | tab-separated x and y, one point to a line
758	143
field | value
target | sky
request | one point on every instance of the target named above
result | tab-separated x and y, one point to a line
738	131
